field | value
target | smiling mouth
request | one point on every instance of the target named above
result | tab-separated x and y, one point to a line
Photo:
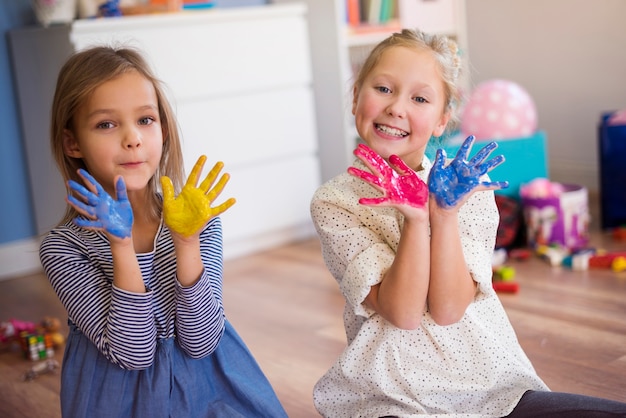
391	131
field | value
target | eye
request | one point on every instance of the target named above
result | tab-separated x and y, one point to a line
148	120
104	125
420	99
383	89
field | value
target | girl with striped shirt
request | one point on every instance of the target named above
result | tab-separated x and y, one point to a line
140	271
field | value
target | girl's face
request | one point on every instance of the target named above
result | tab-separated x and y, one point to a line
117	130
400	104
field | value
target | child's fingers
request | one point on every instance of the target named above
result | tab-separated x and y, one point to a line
483	153
91	183
493	185
224	206
373	201
210	178
464	151
365	176
82	192
120	189
81	207
192	180
374	162
491	164
400	165
168	189
87	224
440	158
217	189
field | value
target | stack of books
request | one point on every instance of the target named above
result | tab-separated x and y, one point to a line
364	13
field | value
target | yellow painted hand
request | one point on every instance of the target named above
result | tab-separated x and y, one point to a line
189	212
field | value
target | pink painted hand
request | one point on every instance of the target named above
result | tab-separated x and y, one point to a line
187	213
398	183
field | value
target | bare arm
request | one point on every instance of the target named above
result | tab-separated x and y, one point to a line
452	288
401	296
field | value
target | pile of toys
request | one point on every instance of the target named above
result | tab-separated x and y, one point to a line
556	256
37	341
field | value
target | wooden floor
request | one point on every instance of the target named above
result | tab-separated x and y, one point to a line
288	309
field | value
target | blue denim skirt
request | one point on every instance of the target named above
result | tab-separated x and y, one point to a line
228	383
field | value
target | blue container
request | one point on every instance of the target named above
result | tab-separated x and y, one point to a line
612	155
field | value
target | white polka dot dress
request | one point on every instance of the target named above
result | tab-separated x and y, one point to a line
475	367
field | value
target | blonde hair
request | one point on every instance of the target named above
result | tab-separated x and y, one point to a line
81	74
445	51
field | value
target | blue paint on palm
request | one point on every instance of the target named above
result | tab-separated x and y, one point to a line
113	216
451	183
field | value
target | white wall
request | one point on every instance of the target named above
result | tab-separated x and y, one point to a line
570	55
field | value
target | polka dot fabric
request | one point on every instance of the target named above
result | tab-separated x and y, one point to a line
499	109
474	368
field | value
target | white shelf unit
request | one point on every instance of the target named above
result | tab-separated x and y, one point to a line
337	50
240	80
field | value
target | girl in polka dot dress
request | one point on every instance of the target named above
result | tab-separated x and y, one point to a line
410	244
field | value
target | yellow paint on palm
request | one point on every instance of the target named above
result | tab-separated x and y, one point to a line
187	213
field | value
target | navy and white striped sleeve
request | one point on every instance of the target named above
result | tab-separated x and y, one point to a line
199	309
80	269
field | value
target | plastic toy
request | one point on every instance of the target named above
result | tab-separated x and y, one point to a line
37	341
10	331
615	261
503	279
553	254
48	366
578	261
506	287
619	233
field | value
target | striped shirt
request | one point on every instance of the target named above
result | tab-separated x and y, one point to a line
123	325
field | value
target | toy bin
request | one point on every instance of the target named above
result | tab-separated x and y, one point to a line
559	219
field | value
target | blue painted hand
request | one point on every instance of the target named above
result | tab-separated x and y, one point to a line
452	183
102	211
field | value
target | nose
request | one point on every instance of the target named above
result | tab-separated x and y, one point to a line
132	138
396	108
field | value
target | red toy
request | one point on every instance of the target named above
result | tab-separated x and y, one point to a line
615	261
506	287
504	280
619	233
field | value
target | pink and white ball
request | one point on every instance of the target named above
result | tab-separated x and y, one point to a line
499	109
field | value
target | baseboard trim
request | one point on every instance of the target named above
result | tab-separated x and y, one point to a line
18	258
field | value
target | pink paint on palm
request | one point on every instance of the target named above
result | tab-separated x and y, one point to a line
397	181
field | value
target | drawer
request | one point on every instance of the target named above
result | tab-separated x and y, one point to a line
249	129
212	53
269	197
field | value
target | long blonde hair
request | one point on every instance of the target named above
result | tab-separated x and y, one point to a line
445	51
81	74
